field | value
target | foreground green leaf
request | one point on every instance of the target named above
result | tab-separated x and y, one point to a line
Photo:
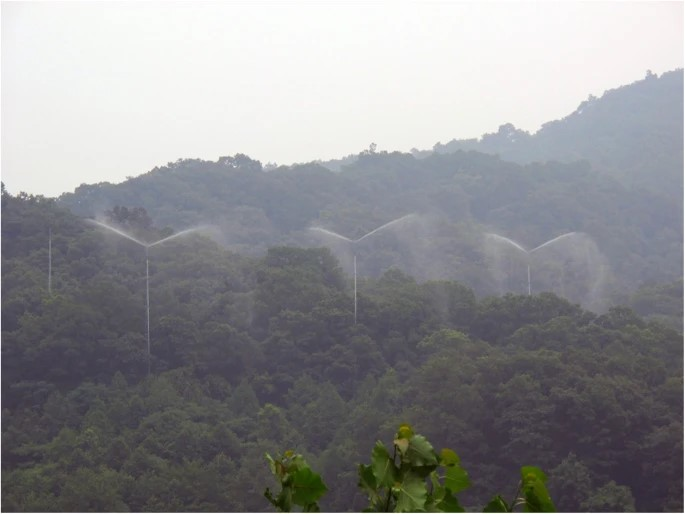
534	490
497	504
448	457
457	479
420	452
412	494
307	486
384	469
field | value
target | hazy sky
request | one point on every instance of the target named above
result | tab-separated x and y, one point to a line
97	91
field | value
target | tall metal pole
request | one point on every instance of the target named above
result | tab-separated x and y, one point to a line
147	270
529	292
355	241
355	289
147	303
50	261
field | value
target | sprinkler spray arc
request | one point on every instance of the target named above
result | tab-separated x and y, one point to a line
353	242
147	247
528	253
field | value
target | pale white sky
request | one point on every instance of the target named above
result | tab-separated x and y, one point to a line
97	91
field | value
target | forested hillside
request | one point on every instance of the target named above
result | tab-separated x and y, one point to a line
629	229
524	308
257	354
634	133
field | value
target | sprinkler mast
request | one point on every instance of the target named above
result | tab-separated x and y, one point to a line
528	253
147	247
50	261
354	242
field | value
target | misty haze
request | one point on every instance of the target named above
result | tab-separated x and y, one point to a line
492	322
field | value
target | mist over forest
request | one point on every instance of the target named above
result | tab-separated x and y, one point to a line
516	297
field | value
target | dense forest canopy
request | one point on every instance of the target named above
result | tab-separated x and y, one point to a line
316	310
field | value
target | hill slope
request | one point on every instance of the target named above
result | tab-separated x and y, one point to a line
634	133
632	232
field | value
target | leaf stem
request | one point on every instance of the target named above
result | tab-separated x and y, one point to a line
387	500
514	503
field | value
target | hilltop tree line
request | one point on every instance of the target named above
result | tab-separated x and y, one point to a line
255	354
633	133
612	171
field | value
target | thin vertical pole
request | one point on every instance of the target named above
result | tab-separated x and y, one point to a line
147	302
563	270
355	289
529	292
50	261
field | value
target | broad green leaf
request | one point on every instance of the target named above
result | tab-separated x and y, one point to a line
437	493
383	467
366	477
534	490
420	452
367	481
448	457
412	494
497	504
307	486
430	505
434	498
297	463
449	503
456	479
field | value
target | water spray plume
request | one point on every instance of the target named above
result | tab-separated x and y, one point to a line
354	242
552	241
147	246
331	233
528	252
174	236
121	233
393	222
507	240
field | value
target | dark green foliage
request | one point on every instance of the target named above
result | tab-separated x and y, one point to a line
299	484
253	354
414	479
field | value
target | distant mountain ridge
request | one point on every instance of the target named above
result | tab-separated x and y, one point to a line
634	133
622	188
